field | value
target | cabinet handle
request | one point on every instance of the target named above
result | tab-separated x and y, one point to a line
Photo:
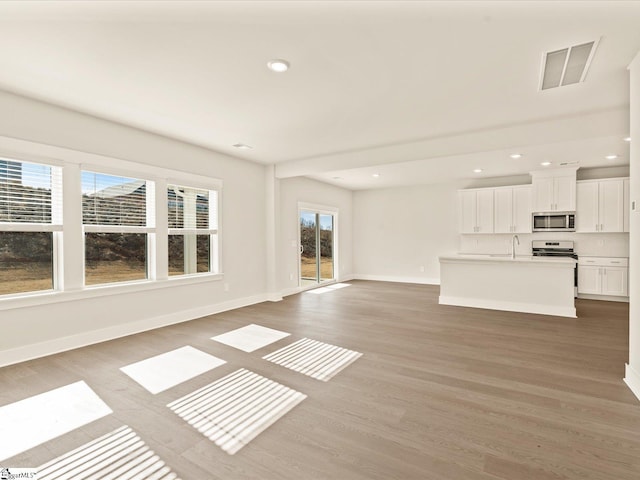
615	262
601	229
596	227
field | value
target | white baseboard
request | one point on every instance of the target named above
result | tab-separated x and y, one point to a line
290	291
607	298
50	347
537	308
397	279
632	379
273	297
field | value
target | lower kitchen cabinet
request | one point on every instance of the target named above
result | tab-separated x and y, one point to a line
603	276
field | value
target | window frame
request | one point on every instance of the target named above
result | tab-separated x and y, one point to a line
148	230
55	227
213	233
68	260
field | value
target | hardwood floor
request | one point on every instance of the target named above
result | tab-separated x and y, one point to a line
444	393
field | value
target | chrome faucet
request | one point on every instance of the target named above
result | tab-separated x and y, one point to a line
514	239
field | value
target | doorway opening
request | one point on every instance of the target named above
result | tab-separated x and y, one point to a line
317	247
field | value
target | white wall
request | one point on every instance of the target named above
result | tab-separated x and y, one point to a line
37	330
292	191
399	230
632	374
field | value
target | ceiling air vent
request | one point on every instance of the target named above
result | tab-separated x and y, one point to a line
567	66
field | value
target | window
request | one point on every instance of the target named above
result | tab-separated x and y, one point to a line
193	230
110	229
117	214
30	223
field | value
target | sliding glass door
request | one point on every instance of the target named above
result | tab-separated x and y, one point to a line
317	239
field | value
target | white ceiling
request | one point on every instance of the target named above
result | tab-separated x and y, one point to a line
419	92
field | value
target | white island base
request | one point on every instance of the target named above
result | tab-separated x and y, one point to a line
540	285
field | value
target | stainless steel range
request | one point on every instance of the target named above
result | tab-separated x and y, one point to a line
559	248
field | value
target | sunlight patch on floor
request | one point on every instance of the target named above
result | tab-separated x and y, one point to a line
250	338
119	455
159	373
38	419
235	409
318	291
315	359
328	288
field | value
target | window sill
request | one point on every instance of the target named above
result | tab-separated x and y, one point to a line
94	291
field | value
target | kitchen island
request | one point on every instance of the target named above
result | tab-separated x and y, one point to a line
543	285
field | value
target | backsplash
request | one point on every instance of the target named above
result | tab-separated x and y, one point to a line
587	244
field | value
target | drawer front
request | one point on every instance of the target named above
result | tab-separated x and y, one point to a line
604	261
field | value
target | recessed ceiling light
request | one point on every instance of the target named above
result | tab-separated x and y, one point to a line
516	155
375	175
627	139
243	146
278	65
477	170
545	164
611	157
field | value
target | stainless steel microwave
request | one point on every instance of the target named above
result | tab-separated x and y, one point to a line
554	222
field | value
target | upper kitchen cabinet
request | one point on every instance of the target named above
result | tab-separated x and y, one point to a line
476	210
554	190
512	209
600	205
